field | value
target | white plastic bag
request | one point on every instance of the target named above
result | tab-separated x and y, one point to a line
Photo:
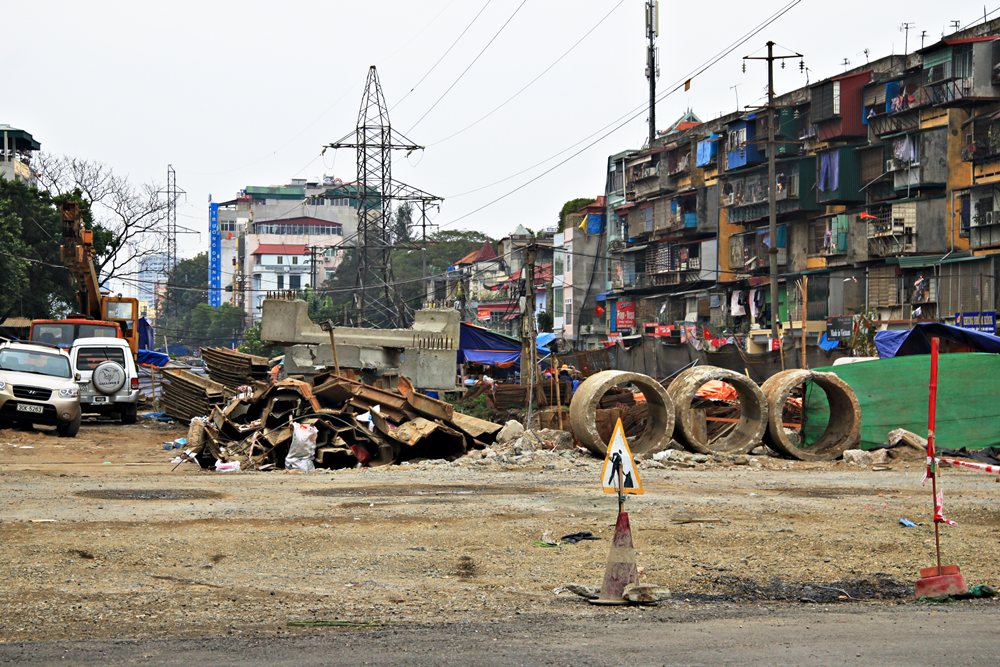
303	447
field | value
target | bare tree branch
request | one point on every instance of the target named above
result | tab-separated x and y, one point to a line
134	215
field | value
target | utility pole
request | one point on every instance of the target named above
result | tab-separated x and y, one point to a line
772	205
528	328
313	249
652	68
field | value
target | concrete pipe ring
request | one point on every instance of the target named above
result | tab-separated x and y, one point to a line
692	428
843	430
587	399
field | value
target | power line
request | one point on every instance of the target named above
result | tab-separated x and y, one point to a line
633	113
530	83
469	66
443	55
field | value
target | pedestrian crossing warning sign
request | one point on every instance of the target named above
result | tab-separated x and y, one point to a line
619	457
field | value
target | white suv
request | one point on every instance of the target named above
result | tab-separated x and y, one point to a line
37	386
109	378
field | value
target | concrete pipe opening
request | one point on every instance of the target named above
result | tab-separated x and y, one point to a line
813	416
603	397
718	411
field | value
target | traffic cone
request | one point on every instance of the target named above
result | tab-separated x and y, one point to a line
621	570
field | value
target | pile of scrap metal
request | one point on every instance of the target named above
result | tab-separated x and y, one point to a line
185	395
232	368
355	423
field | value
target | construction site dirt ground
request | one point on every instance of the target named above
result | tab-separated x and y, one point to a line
100	538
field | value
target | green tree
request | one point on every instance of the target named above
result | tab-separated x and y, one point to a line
252	344
226	325
412	265
33	281
187	287
402	223
571	207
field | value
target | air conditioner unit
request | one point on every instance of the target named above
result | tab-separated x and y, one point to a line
892	165
727	200
989	217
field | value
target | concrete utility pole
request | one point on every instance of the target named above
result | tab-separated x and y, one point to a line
528	327
652	68
772	206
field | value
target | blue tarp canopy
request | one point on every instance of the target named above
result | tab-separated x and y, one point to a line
918	340
543	339
153	358
482	346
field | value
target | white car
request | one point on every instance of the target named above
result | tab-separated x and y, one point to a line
37	386
109	377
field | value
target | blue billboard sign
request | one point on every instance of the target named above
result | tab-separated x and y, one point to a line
214	257
985	321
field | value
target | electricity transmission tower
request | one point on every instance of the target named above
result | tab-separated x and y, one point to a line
376	300
172	193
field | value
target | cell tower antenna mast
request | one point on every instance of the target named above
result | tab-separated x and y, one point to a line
377	302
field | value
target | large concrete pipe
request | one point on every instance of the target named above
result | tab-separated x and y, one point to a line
586	400
692	430
843	430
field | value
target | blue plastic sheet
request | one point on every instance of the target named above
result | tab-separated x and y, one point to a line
918	340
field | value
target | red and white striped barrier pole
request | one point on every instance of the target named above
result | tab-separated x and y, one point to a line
940	579
982	467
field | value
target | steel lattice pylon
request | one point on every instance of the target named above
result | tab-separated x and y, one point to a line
376	299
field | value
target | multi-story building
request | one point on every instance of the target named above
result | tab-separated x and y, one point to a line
319	217
886	199
18	148
152	272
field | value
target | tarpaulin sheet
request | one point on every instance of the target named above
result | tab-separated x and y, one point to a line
482	346
145	334
152	358
918	340
893	394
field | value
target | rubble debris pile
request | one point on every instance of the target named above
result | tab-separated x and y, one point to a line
355	424
233	368
186	395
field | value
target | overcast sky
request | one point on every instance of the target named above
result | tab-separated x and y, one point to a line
248	93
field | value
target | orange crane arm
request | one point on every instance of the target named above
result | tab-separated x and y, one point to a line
77	254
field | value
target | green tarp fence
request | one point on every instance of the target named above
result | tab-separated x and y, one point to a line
893	393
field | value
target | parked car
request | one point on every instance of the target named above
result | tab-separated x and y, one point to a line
38	386
109	377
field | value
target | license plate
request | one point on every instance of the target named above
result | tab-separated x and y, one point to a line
100	399
26	407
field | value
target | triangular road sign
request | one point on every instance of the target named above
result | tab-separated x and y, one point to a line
619	452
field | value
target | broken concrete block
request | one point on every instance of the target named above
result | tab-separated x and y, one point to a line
857	457
645	593
510	431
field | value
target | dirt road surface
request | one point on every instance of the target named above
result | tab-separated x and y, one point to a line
112	557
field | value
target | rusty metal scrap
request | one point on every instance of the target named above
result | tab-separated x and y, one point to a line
186	395
356	425
233	368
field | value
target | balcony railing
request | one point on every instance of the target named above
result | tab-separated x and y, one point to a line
943	92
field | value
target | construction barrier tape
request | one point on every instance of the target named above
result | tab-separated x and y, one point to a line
970	464
939	511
